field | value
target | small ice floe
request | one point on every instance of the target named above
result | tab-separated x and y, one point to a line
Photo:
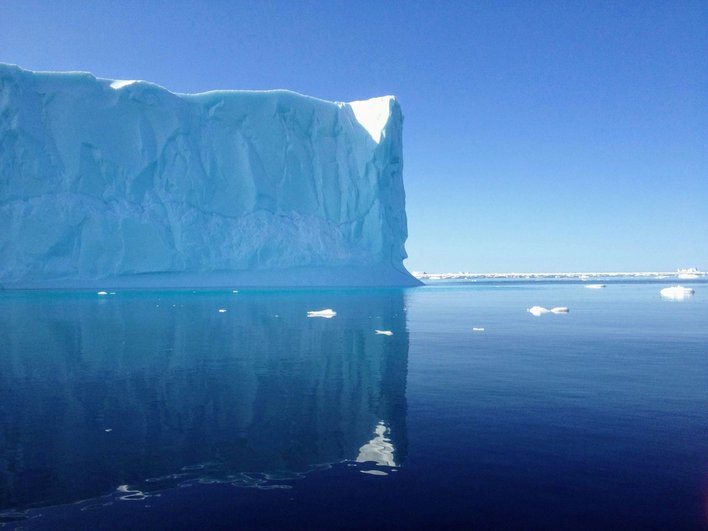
374	472
102	293
476	329
327	314
537	310
595	286
235	291
383	332
222	310
676	292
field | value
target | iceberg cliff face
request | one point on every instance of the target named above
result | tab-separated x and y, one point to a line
124	183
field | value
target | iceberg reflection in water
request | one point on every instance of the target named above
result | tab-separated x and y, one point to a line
137	388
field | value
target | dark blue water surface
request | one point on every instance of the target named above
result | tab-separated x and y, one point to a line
154	410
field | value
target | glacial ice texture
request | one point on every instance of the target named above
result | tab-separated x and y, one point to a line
123	183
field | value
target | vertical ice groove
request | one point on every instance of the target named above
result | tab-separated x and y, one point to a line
204	189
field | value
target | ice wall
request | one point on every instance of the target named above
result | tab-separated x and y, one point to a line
123	183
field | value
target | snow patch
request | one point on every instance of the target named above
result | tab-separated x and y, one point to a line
120	83
373	115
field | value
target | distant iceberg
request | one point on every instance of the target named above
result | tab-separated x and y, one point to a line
690	273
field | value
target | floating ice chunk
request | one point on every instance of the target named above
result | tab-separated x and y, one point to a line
595	286
374	472
478	329
235	291
537	310
560	309
327	314
222	310
384	332
102	293
676	292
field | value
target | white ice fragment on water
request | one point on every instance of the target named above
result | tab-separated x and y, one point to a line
235	291
374	472
102	293
222	310
537	310
383	332
560	309
478	329
595	286
327	314
676	292
120	83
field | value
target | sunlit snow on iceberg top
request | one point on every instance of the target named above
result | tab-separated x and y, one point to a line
373	114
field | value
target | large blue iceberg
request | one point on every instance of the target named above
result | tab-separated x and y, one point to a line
125	184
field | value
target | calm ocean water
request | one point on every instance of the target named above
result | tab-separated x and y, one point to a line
155	410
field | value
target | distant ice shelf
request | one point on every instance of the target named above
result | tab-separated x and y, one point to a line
113	183
694	274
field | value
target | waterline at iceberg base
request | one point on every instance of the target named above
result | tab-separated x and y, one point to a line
124	183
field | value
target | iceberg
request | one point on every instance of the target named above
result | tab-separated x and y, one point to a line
123	183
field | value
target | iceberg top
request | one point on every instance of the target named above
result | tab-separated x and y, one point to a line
124	183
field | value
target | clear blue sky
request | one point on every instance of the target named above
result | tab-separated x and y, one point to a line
539	136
